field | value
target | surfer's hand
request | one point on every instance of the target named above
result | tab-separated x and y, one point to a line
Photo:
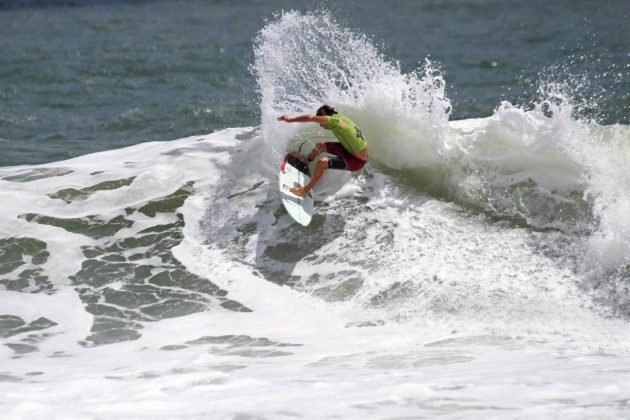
283	118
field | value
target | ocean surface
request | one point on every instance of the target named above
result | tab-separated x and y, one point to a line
477	267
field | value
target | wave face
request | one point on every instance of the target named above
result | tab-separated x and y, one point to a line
540	166
163	276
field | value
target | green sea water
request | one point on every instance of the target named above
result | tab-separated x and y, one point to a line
83	76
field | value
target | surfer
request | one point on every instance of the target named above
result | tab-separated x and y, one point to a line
350	153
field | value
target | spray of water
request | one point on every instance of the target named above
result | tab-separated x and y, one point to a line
304	60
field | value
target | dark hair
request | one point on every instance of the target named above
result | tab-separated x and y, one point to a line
326	110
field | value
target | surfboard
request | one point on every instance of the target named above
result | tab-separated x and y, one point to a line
295	173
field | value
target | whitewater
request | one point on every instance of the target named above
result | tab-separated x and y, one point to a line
475	268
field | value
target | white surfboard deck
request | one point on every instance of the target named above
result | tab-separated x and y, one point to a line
300	208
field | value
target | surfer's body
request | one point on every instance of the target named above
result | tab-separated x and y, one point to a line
351	152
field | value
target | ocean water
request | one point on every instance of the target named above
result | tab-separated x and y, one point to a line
477	267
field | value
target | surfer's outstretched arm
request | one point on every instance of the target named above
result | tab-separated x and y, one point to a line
321	120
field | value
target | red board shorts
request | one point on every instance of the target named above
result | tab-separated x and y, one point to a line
344	160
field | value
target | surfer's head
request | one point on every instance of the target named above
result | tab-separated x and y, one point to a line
325	110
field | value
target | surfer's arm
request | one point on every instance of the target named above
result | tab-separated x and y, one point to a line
304	118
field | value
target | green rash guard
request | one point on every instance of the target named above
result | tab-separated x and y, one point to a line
347	133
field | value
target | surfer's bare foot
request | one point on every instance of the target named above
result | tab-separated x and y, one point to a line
300	192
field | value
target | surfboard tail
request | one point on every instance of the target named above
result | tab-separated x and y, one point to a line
297	163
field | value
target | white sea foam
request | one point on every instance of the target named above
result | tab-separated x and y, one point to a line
448	302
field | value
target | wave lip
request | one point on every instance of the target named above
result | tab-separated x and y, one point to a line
304	60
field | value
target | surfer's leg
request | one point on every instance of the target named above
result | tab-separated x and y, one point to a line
317	150
344	160
322	165
337	162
